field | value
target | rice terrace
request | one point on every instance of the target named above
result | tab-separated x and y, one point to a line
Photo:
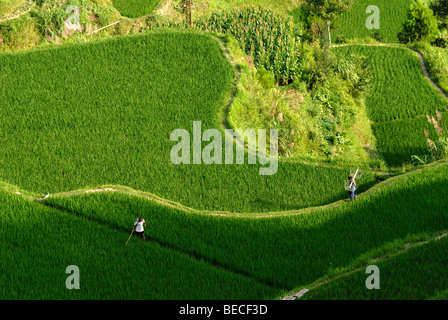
224	150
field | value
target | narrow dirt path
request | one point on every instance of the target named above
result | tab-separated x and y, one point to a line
18	13
407	246
233	92
426	73
264	215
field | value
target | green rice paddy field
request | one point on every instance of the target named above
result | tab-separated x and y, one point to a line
83	116
399	101
102	113
33	263
392	15
421	273
225	257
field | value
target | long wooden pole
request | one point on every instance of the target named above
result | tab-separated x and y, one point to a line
106	26
130	237
354	177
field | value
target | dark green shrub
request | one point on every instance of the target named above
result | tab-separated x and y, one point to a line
440	42
421	24
340	38
377	36
441	8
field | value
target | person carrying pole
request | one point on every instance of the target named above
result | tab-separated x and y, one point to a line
352	188
139	227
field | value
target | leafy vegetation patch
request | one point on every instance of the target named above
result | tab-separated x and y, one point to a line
317	103
45	23
135	8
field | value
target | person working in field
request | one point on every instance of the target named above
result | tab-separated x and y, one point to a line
139	226
352	188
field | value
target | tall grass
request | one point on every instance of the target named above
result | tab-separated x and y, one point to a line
8	6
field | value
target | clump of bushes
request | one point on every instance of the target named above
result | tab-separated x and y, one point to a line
340	39
421	24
